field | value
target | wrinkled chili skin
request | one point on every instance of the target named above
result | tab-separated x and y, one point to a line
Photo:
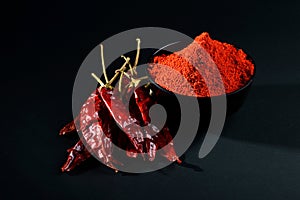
96	125
144	104
101	126
79	153
147	137
90	105
92	129
99	131
145	98
144	101
120	114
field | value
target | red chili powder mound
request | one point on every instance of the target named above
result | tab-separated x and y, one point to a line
204	68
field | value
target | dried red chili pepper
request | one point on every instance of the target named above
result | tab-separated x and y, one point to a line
163	138
92	128
144	141
144	101
77	155
98	123
125	121
70	127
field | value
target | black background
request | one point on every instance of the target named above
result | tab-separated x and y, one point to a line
43	46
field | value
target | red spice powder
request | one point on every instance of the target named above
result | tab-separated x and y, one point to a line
204	68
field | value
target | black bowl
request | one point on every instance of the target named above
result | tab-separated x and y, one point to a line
234	100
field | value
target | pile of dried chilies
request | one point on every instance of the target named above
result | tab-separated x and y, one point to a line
102	126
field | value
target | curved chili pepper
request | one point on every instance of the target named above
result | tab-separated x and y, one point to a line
95	130
91	127
77	155
121	116
163	139
70	127
144	101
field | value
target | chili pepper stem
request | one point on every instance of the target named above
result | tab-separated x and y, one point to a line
98	80
137	52
135	82
120	82
122	69
130	67
103	65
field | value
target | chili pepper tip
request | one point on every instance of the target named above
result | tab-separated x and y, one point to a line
178	161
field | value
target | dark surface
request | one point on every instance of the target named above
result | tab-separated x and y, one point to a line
258	155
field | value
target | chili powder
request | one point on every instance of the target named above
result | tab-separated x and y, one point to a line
195	64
